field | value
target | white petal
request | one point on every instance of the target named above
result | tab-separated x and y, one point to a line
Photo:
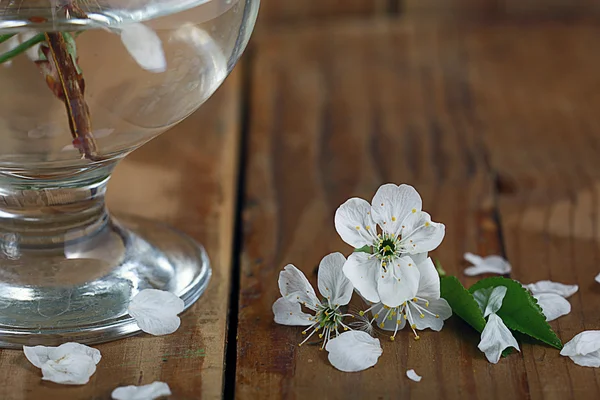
488	265
145	47
587	360
290	313
552	287
495	338
353	351
294	286
333	284
71	369
37	355
439	307
146	392
155	311
354	223
598	278
362	270
583	343
393	204
399	282
490	299
473	258
412	375
553	305
421	234
429	281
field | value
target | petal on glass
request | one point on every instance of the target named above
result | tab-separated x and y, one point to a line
393	204
290	313
362	270
399	282
354	223
71	369
353	351
146	392
490	299
429	282
421	234
583	343
155	311
495	338
487	265
412	375
144	45
333	284
294	286
439	307
553	305
552	287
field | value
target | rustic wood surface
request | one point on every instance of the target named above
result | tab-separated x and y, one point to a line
496	127
188	178
286	11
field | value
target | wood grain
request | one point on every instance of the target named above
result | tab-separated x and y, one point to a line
495	130
276	11
187	178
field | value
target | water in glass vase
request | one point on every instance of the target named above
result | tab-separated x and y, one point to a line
82	84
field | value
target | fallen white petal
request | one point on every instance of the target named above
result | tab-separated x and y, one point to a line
412	375
487	265
353	351
69	363
155	311
490	299
584	349
145	47
495	338
553	305
598	278
552	287
146	392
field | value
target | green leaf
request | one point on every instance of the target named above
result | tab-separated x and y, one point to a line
365	249
462	302
520	311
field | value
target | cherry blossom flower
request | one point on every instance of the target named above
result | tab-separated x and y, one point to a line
400	234
295	290
426	310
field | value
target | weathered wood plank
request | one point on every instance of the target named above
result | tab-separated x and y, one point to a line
336	112
187	178
539	108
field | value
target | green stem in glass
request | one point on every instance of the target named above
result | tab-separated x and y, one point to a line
21	48
4	38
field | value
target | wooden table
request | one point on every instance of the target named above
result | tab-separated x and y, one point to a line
494	122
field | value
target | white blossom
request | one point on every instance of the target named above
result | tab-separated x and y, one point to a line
399	233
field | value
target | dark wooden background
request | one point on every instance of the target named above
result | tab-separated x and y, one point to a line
488	107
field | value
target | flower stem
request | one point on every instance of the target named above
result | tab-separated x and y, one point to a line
4	38
20	48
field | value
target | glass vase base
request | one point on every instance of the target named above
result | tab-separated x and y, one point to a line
79	291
